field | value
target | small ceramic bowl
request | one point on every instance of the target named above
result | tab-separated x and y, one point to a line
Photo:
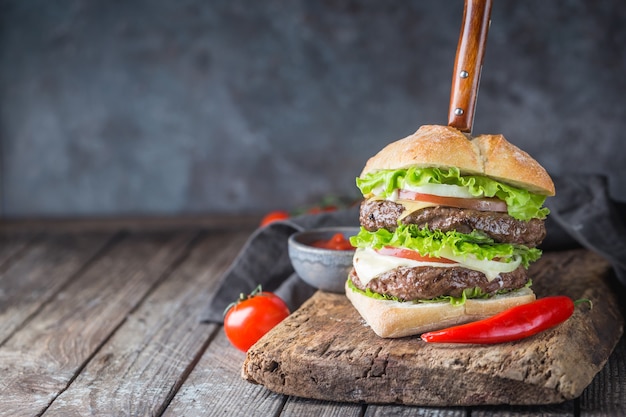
325	269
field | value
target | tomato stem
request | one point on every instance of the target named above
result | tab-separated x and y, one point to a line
243	297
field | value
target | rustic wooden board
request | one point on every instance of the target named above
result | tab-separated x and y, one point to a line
324	351
41	359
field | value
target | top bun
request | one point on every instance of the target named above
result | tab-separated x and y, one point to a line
444	146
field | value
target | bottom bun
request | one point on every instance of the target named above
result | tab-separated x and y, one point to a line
391	319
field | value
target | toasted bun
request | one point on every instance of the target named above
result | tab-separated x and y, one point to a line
391	319
444	146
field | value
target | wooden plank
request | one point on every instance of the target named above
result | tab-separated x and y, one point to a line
133	224
303	407
215	387
323	351
566	409
606	396
42	269
12	244
137	371
41	359
412	411
552	410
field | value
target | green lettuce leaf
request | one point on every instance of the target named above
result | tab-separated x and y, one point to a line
431	242
522	204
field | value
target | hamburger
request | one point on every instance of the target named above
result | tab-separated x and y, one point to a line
449	227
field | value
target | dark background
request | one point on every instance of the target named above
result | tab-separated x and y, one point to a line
115	108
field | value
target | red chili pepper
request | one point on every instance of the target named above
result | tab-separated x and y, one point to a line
512	324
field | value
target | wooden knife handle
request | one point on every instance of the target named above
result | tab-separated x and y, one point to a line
468	63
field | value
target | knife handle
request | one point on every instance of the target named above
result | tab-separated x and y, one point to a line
468	64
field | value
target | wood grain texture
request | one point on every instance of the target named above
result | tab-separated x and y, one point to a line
41	359
215	387
411	411
606	396
58	225
42	268
566	409
120	335
323	351
12	244
304	407
138	370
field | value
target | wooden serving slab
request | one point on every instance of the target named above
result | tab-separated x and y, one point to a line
324	351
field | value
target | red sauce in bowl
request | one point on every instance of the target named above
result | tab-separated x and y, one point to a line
337	242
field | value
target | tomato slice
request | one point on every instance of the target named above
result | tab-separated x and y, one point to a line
480	204
411	254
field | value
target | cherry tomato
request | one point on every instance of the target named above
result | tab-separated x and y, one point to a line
273	216
252	316
337	242
481	204
411	254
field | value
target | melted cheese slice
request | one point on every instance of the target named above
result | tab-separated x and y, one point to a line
411	206
368	264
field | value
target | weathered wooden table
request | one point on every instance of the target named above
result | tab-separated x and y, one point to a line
104	320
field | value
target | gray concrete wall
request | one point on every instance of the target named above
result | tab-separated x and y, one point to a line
177	107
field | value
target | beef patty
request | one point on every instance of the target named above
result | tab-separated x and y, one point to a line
424	283
378	214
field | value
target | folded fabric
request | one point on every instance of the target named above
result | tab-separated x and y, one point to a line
264	260
584	210
582	214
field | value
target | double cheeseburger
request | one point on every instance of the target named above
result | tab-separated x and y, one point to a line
449	227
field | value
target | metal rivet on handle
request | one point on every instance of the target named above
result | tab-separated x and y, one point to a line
458	112
463	74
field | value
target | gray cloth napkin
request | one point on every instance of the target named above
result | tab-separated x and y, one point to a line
583	209
582	214
264	260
